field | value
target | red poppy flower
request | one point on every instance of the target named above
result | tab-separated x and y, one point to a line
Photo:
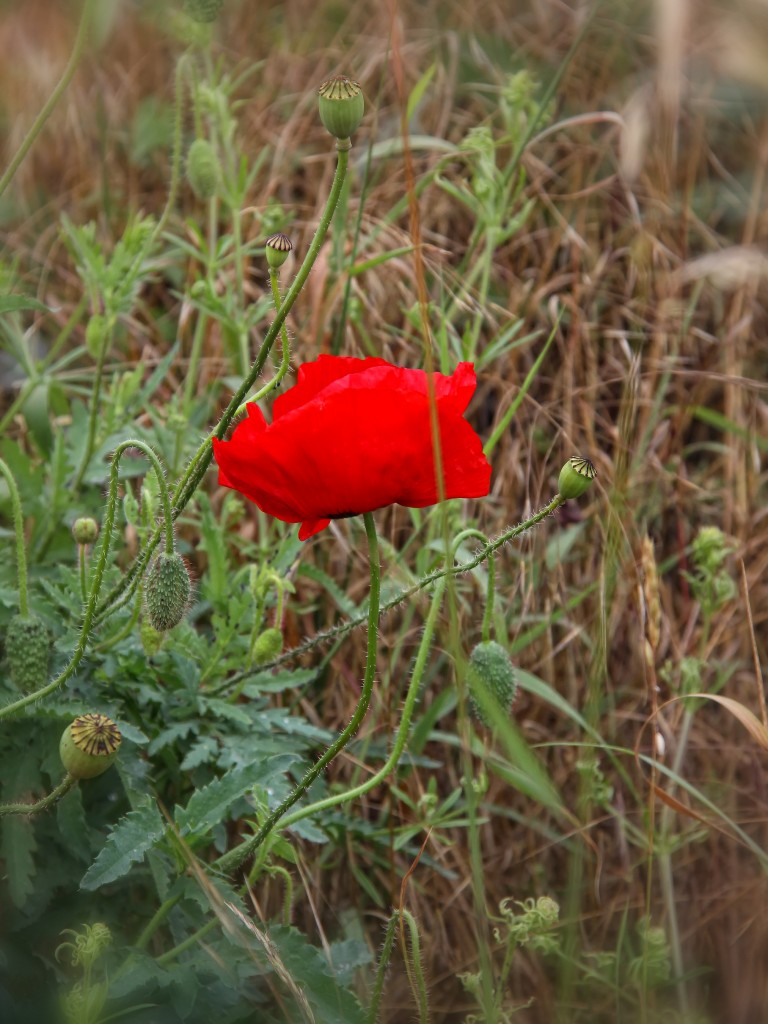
351	436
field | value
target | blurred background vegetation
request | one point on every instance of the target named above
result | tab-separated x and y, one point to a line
589	173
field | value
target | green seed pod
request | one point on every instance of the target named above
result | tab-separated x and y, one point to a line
277	247
341	106
89	745
267	646
27	648
203	169
576	477
490	675
85	531
203	10
167	592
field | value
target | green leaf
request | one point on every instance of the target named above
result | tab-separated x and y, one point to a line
17	848
132	838
12	303
208	805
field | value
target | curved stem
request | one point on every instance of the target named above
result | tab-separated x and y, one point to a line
53	99
47	801
18	527
232	860
286	350
403	729
98	575
93	415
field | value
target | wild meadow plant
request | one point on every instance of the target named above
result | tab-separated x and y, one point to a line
166	766
351	436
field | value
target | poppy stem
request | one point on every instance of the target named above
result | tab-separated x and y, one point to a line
232	860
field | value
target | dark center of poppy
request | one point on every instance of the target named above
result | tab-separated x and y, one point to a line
341	515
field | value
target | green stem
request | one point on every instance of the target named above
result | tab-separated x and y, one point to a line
18	527
404	595
53	99
93	415
381	969
414	967
98	575
401	737
47	801
202	458
83	584
232	860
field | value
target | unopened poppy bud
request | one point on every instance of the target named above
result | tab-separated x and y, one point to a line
85	531
202	169
167	592
89	745
27	648
267	646
490	674
576	476
203	10
277	247
341	106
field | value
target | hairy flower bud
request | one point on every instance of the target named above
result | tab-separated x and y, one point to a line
167	592
27	648
85	530
203	169
576	477
341	106
203	10
267	646
490	675
89	745
95	333
277	247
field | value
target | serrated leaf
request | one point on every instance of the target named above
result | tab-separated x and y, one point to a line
207	805
129	842
201	752
17	848
12	303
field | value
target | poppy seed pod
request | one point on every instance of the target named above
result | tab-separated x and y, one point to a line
89	745
203	10
167	592
490	674
267	646
277	248
202	169
27	648
576	477
341	106
85	531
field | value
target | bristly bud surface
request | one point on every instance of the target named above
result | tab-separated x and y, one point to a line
341	106
491	674
203	171
85	530
167	592
27	648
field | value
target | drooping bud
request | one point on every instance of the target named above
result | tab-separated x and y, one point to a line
89	745
576	477
95	333
277	247
85	530
267	646
203	10
490	675
203	170
167	592
341	106
27	648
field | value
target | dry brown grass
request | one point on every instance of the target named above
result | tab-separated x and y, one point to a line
650	239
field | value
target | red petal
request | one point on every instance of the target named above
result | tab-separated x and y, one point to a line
312	378
312	526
